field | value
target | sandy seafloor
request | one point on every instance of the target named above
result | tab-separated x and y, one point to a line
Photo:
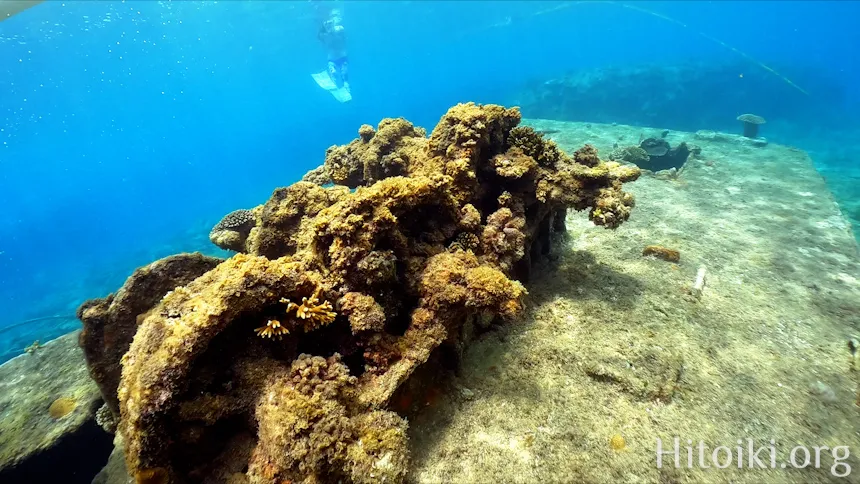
614	345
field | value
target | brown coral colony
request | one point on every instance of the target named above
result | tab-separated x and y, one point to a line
436	239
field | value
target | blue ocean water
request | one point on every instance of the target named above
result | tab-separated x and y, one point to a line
129	128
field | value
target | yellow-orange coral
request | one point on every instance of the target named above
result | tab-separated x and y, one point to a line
272	329
312	313
155	475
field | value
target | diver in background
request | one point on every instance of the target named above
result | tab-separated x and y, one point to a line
332	35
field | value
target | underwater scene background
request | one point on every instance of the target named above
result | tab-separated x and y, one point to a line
313	241
130	128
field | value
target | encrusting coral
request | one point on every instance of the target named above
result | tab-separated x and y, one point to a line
630	154
228	376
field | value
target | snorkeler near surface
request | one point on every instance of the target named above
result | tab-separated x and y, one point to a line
332	34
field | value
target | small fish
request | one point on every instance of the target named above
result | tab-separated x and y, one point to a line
547	131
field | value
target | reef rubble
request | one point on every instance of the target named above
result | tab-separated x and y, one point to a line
280	363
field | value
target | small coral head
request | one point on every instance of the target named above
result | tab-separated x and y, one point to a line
272	329
751	123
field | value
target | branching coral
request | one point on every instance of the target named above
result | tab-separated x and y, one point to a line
272	329
436	238
311	312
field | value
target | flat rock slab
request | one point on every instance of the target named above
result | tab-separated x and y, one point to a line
617	352
33	443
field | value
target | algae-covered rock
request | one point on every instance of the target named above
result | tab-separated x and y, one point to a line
280	218
47	416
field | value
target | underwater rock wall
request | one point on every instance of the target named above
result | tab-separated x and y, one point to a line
279	363
683	96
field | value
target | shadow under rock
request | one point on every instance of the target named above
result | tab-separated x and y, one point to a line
577	275
494	373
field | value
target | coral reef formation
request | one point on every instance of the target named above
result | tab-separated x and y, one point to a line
229	378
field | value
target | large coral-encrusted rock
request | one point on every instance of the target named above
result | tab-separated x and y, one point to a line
280	363
110	323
